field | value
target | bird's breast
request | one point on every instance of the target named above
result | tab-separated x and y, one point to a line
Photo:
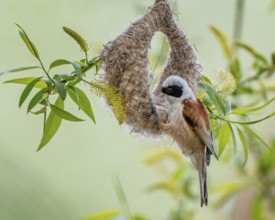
183	134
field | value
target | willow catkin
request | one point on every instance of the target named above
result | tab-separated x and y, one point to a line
127	67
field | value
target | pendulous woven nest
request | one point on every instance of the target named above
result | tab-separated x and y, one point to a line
127	69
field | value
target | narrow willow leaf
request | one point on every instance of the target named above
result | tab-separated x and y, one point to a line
263	90
255	121
228	190
27	91
52	125
139	217
105	215
80	98
64	114
20	69
78	38
252	51
122	197
177	174
36	99
228	106
74	95
258	209
224	41
40	111
169	186
60	89
233	139
273	57
26	80
250	131
224	135
228	187
215	98
240	111
161	154
82	63
245	145
61	62
28	42
48	83
236	70
206	79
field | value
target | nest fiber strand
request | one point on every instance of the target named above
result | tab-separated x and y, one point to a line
127	67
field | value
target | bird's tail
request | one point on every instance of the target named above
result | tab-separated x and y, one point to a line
203	184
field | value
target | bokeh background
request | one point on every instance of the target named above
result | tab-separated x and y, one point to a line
72	176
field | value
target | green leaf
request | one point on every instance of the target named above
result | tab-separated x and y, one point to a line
78	38
252	51
80	98
228	187
52	125
48	83
105	215
27	91
40	111
26	80
255	121
249	130
245	145
64	114
28	42
224	42
227	190
61	62
139	217
258	209
236	70
215	98
228	106
168	186
20	69
240	111
224	135
74	95
161	154
60	89
122	198
206	79
273	57
233	139
36	99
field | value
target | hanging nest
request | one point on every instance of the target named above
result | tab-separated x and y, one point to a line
127	68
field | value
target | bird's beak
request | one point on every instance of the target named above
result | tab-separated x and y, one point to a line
163	89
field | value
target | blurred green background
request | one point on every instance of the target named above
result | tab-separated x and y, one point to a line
72	176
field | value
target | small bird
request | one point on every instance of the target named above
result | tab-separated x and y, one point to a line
189	125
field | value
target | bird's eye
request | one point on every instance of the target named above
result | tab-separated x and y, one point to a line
169	90
175	91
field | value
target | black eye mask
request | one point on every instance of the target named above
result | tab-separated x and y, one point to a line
174	90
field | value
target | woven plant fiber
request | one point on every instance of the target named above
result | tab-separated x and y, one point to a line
126	67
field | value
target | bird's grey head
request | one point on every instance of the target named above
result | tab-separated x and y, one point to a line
176	88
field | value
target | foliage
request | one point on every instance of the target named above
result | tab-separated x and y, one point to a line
231	122
61	85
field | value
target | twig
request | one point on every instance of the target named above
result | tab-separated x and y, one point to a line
239	14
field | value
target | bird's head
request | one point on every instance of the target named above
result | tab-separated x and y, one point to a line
176	89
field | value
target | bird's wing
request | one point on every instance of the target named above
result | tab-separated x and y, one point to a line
197	117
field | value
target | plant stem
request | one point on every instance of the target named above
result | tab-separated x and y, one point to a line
239	14
90	64
244	122
44	120
45	71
